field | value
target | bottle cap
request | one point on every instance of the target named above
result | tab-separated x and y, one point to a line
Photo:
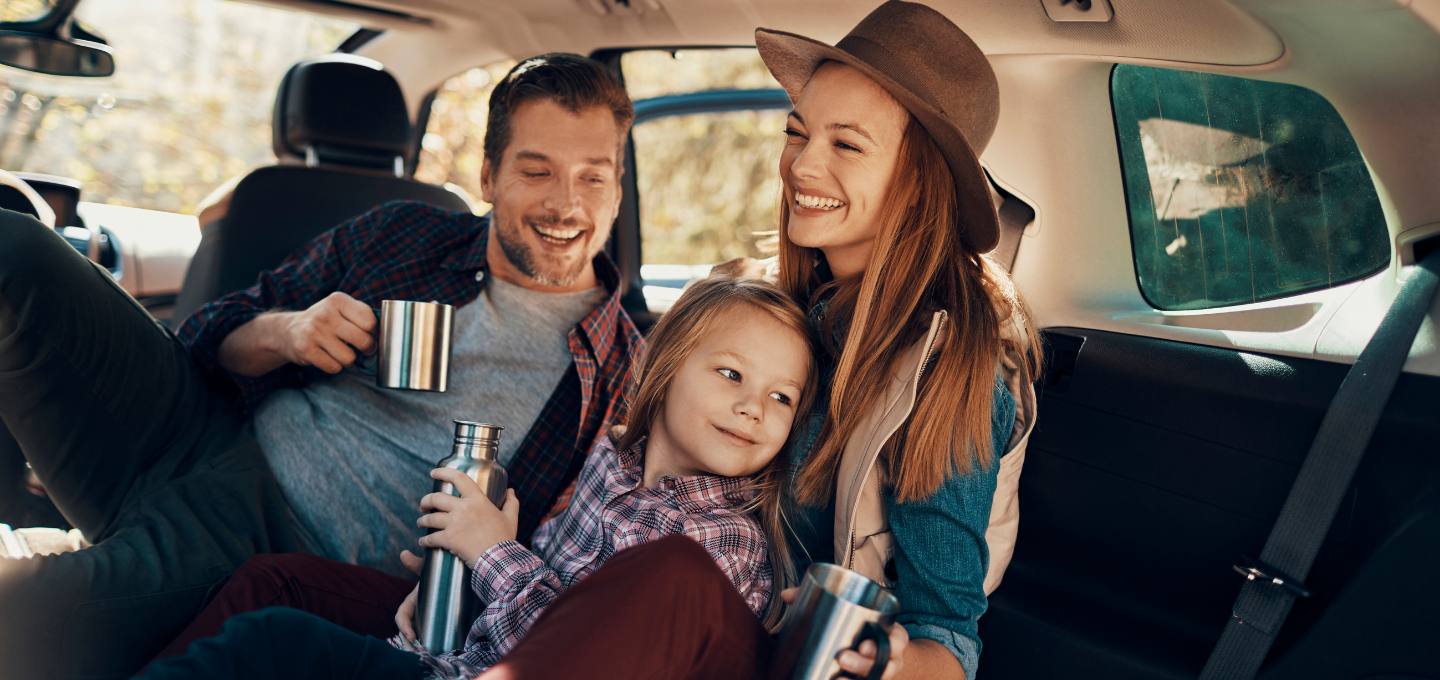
483	434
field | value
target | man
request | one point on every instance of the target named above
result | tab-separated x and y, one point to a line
133	435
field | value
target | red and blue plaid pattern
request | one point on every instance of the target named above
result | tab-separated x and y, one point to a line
414	251
612	511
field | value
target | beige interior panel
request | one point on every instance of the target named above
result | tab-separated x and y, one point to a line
1199	31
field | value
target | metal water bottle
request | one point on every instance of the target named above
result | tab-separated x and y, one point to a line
447	607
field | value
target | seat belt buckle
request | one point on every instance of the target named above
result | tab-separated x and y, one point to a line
1255	570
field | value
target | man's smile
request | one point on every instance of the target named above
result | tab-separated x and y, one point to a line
557	235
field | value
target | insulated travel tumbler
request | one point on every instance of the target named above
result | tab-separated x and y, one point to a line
446	608
836	609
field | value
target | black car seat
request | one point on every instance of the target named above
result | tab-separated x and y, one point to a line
342	134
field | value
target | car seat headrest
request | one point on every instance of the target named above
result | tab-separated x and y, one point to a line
342	109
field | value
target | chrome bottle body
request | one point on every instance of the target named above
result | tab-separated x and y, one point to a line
447	607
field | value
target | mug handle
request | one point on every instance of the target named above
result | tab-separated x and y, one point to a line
873	631
369	364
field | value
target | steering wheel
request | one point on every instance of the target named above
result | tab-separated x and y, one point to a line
37	207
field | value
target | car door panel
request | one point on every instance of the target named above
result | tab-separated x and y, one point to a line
1154	466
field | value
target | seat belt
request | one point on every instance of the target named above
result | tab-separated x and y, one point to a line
1014	216
1273	583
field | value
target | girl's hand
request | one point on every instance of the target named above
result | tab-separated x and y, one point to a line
413	562
406	614
859	663
469	525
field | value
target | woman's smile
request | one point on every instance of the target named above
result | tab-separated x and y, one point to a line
813	202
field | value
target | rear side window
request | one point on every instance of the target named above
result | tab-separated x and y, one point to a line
453	147
708	184
1240	190
709	128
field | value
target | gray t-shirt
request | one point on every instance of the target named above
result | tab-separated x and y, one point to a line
354	459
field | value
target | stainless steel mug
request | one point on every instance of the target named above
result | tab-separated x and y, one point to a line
414	352
447	607
836	609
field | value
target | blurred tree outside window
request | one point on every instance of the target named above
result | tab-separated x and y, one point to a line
453	148
25	10
709	186
709	183
188	107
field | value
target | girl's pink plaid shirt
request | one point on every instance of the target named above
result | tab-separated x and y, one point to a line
611	511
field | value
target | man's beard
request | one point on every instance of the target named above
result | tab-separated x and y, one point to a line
524	258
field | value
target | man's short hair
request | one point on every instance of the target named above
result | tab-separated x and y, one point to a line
570	80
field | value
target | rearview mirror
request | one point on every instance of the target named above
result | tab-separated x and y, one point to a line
55	56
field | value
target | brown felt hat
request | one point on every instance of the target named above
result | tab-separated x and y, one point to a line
934	70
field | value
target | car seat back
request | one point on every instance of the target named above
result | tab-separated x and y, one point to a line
342	134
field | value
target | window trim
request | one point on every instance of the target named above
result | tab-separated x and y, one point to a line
710	101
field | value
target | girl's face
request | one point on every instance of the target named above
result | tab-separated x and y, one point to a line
731	403
843	141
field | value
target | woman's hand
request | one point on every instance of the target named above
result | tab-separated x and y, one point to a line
406	614
469	525
858	663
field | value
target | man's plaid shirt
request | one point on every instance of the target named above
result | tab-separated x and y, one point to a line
415	251
611	511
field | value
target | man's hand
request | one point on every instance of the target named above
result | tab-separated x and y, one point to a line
859	663
469	525
748	268
326	336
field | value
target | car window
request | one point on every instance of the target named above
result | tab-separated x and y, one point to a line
708	135
189	105
708	185
453	148
1240	190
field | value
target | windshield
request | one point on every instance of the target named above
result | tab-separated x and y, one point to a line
189	105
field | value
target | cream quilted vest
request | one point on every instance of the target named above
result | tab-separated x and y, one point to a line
863	540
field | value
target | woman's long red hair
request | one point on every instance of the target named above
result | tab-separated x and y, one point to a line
921	263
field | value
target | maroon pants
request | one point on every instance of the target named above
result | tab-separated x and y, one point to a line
662	610
360	599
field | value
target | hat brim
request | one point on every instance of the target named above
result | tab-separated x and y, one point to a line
792	59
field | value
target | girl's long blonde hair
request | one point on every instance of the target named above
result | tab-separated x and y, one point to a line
699	311
921	263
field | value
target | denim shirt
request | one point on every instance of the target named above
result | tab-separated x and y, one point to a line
940	551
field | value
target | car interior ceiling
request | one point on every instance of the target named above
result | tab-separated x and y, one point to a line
1161	455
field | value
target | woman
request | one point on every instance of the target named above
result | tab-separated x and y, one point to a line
908	471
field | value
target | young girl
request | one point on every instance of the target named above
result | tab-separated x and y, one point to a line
728	369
